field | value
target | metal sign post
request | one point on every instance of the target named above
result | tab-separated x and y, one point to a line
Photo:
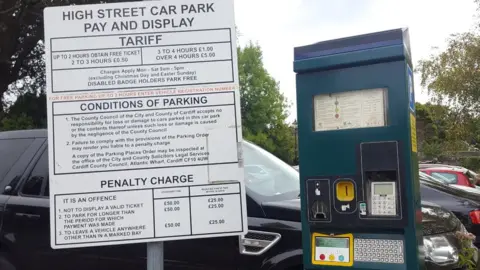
155	256
155	249
144	126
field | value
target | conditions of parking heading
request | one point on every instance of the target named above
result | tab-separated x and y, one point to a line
140	103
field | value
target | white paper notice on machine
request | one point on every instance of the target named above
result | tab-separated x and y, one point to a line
144	123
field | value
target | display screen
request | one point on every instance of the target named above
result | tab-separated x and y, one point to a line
331	242
383	189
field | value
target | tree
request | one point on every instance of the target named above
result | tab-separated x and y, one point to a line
432	123
435	119
21	53
16	122
28	111
437	135
453	76
264	108
33	106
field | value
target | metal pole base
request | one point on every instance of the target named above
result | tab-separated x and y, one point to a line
155	256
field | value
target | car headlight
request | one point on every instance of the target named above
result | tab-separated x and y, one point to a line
439	250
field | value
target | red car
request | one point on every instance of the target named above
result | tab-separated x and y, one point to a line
452	175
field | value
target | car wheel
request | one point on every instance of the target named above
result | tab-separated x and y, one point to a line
5	264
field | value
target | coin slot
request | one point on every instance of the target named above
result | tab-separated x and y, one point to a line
345	191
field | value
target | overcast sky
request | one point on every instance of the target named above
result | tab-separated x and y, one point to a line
280	25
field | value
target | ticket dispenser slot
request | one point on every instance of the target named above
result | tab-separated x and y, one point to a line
380	180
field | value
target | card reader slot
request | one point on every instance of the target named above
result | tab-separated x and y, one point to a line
319	200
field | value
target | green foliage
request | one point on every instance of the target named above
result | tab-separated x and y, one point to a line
33	106
432	150
264	108
445	132
472	163
16	122
466	251
436	127
453	76
27	112
435	121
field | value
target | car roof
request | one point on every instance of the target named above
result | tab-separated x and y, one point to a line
455	169
23	134
435	165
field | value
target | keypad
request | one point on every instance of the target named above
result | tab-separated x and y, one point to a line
383	205
378	250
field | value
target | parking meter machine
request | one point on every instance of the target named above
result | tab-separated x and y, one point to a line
358	153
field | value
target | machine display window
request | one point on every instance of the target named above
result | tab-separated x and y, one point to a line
332	242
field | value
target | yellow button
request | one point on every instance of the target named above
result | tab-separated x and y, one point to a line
331	257
345	191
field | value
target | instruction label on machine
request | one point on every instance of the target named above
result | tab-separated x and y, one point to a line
352	109
144	123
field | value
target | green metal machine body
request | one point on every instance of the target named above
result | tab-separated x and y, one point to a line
358	153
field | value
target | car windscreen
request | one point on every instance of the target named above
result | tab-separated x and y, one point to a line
458	191
267	176
10	151
431	181
448	178
436	178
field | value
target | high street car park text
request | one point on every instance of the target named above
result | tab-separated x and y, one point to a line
133	12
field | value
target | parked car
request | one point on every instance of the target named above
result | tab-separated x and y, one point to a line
273	241
465	204
446	181
454	175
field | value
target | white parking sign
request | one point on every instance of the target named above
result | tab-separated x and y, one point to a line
144	122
